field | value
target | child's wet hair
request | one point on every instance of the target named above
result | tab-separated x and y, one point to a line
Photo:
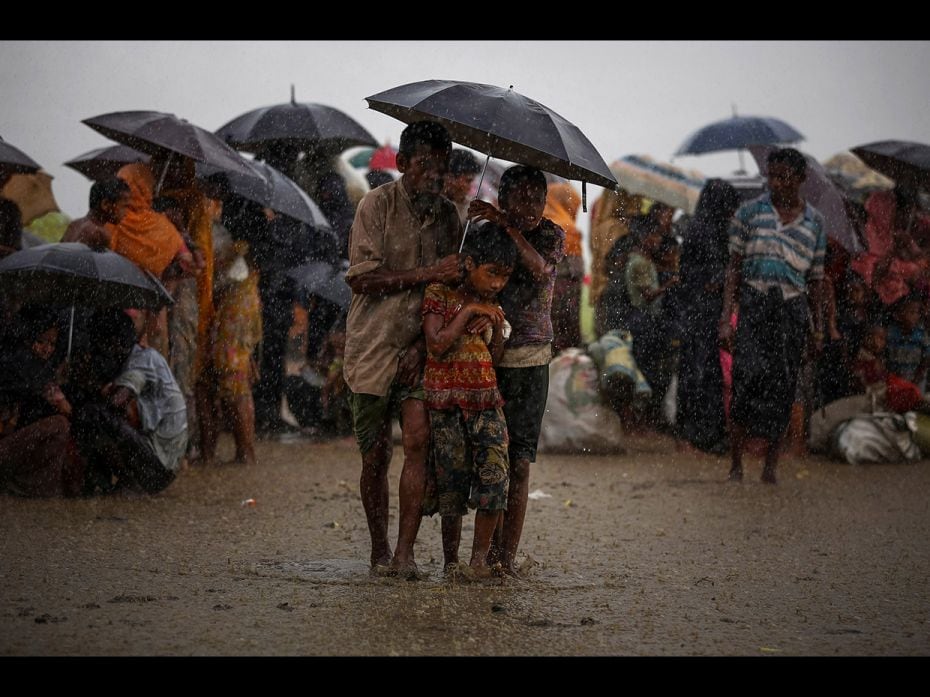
490	244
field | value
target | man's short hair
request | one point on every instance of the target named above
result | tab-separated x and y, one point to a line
111	189
517	175
463	163
429	133
790	157
490	244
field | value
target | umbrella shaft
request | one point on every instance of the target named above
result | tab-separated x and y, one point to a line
477	192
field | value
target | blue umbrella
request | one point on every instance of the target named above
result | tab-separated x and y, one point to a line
738	132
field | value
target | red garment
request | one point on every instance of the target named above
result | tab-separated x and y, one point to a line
464	375
902	395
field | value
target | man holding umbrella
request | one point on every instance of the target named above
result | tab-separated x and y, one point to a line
404	237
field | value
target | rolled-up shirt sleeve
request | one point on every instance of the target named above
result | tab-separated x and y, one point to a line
366	240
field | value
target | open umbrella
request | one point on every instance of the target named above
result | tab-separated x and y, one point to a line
272	189
70	273
384	157
32	193
158	133
322	279
500	123
820	191
13	160
106	162
660	181
739	132
317	127
898	159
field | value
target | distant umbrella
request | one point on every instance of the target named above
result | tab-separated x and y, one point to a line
739	132
13	160
317	127
898	159
659	181
106	162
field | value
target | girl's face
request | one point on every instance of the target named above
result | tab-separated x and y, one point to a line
487	280
44	345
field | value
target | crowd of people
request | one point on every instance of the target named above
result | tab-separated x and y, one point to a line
716	314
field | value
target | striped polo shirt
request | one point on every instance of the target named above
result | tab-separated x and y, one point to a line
777	255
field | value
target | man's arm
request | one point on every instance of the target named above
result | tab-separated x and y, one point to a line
382	281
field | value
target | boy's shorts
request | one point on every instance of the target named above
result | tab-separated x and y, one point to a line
468	454
370	412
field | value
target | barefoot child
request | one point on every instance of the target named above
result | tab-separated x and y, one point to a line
469	433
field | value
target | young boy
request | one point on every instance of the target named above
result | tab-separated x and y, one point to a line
469	433
908	341
108	201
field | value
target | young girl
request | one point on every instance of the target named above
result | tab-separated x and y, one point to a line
469	433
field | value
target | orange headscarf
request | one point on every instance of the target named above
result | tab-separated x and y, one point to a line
562	204
144	236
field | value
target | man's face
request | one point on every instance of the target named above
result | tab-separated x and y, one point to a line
424	170
115	210
784	182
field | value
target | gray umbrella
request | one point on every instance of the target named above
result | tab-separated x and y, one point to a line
106	162
14	161
500	123
154	133
271	189
317	127
898	159
70	273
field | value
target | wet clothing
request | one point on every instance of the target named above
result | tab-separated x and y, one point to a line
527	303
371	414
906	351
463	377
39	460
775	254
770	337
393	232
468	451
162	410
525	391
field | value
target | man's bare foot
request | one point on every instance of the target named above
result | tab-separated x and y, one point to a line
736	474
768	475
381	570
406	570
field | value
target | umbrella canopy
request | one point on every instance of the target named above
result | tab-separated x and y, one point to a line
853	174
317	127
500	123
106	162
322	279
154	133
738	132
70	273
898	159
820	191
271	189
660	181
13	160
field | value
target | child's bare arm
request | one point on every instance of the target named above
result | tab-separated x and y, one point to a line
440	339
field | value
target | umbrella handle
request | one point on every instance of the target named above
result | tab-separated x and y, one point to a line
164	173
70	334
477	192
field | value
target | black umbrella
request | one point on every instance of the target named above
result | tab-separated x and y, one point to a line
15	161
322	279
898	159
106	162
271	189
154	133
323	129
500	123
70	273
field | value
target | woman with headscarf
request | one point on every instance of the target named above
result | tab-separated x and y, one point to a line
562	203
700	415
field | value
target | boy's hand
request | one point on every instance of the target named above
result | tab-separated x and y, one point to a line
482	210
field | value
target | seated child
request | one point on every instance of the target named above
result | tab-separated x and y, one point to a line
468	431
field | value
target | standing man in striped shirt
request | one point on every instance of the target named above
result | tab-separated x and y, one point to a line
777	245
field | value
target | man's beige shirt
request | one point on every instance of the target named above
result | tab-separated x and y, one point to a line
390	233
